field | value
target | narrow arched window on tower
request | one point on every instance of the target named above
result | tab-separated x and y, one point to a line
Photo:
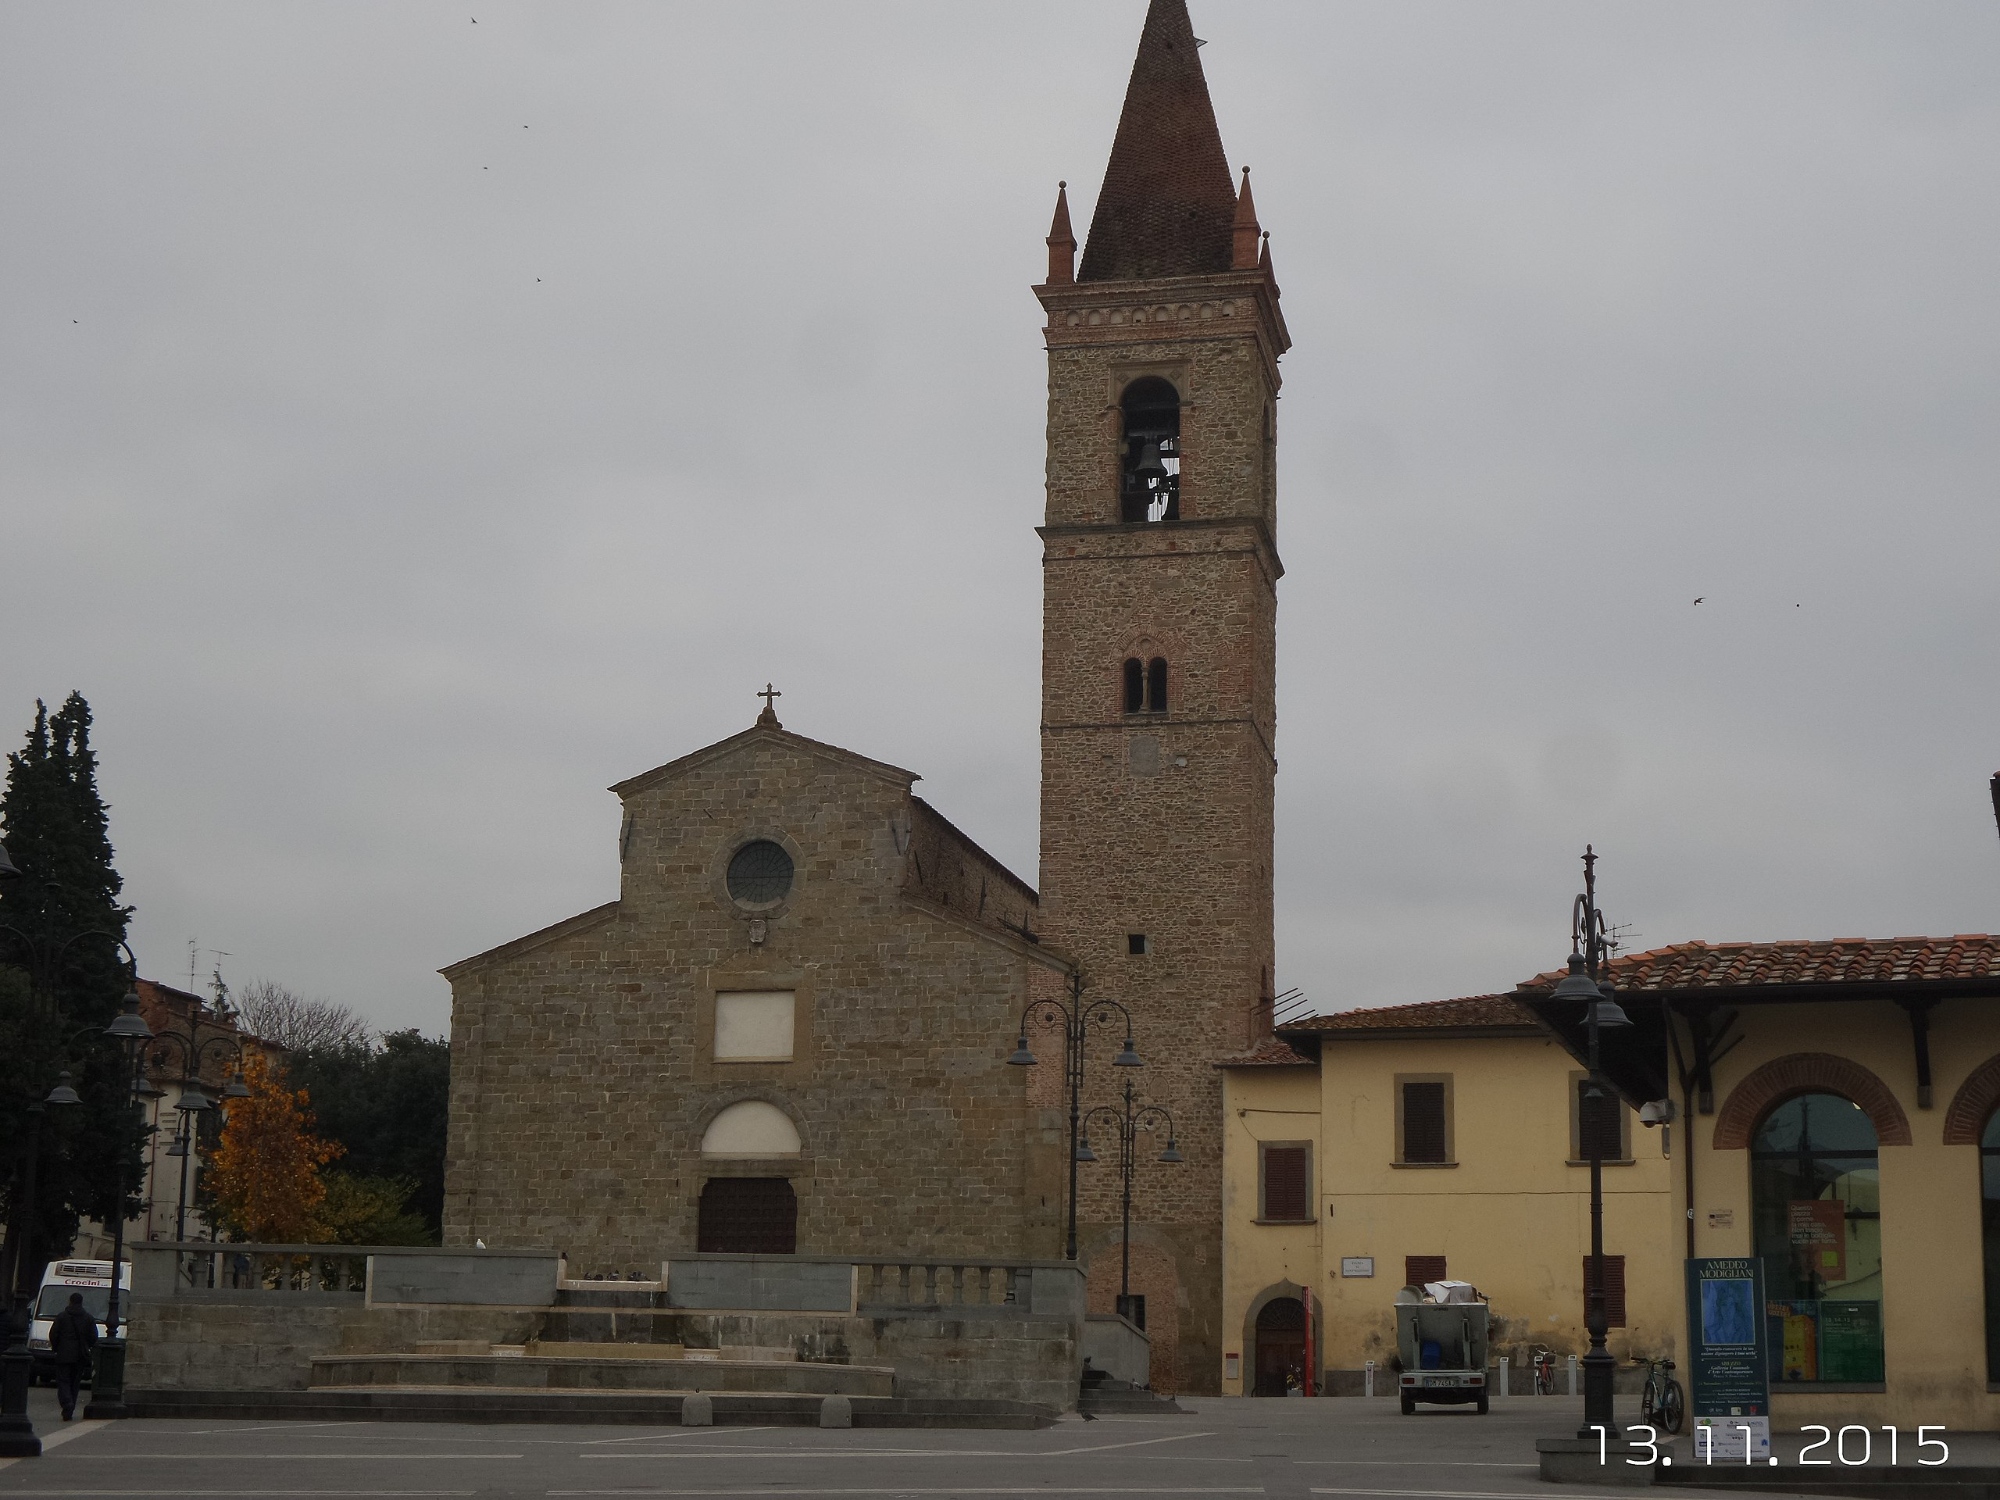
1145	685
1150	471
1135	685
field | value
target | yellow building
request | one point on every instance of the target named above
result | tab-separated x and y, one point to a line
1837	1114
1843	1101
1376	1148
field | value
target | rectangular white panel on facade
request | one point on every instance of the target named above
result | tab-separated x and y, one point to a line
1357	1265
754	1026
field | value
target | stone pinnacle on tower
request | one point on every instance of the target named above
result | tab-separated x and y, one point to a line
1243	234
1168	206
1062	242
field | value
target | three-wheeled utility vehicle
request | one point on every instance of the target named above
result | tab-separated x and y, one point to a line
1441	1339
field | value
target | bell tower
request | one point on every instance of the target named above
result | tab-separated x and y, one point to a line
1159	618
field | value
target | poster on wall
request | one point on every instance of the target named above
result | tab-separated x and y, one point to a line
1729	1388
1818	1233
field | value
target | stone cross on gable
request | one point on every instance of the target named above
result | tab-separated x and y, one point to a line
769	717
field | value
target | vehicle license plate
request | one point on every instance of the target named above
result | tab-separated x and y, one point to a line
1439	1380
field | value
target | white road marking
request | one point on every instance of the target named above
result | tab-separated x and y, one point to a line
903	1489
819	1453
1179	1437
262	1427
1486	1494
60	1436
674	1432
1419	1463
264	1458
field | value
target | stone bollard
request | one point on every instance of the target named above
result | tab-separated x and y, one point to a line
1368	1378
1572	1374
697	1411
1501	1389
836	1411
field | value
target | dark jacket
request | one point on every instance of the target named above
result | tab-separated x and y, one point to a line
72	1335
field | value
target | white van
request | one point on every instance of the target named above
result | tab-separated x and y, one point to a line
93	1279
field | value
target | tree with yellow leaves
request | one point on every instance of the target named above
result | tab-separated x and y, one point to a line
264	1174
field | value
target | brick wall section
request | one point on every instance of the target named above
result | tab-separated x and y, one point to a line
1162	824
1807	1073
1973	1104
584	1073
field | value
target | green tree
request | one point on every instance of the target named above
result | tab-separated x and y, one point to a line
368	1211
62	977
386	1103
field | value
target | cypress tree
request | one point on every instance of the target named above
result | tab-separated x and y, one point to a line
62	979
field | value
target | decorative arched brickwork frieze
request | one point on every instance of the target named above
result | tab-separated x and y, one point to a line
1972	1106
1785	1078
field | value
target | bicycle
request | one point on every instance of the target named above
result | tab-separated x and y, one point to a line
1663	1401
1543	1361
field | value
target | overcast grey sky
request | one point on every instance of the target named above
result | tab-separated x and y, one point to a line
413	425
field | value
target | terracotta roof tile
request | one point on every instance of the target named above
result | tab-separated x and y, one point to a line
1428	1015
1689	966
1270	1053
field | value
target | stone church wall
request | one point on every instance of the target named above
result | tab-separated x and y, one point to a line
584	1072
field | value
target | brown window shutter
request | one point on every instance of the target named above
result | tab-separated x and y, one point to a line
1614	1290
1417	1269
1423	1122
1287	1193
1601	1121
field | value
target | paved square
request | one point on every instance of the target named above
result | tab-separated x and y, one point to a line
1221	1448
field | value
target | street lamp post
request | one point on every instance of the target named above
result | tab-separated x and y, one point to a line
1076	1018
1588	948
130	1031
193	1103
1128	1122
17	1365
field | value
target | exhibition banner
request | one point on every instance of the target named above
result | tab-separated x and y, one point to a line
1729	1383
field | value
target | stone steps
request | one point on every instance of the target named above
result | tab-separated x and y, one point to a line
1103	1398
594	1371
411	1403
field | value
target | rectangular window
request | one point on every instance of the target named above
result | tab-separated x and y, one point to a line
1285	1193
1423	1120
1604	1121
1135	944
1417	1269
1614	1290
754	1026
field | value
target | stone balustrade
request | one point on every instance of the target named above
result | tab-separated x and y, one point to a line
255	1317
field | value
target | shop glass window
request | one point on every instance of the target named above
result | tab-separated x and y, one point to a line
1817	1222
1989	1182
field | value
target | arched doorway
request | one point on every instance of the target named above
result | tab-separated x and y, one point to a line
1816	1206
747	1216
1281	1346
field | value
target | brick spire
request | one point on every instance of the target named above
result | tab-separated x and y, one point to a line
1062	242
1167	207
1243	235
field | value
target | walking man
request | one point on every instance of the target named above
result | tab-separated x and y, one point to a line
72	1336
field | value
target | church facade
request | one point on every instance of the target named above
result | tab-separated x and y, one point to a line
785	1036
790	1033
